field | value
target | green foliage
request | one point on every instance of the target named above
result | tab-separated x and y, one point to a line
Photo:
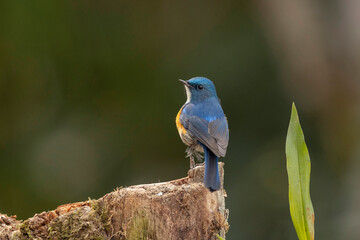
220	238
298	168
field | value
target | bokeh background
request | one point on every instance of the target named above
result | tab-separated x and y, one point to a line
89	95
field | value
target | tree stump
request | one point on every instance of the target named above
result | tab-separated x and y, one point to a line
179	209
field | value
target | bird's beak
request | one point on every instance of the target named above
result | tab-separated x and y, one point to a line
185	83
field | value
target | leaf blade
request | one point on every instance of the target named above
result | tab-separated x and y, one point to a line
218	236
298	168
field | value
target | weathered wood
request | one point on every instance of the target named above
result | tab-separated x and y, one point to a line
179	209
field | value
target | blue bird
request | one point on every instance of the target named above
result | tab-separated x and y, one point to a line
203	127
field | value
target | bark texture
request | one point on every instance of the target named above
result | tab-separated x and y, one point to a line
179	209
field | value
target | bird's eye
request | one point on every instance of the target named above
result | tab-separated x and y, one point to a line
200	87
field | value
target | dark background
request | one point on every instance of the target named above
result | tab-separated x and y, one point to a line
89	95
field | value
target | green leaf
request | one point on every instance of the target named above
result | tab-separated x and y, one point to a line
220	238
298	168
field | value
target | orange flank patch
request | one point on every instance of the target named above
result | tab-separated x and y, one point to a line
179	126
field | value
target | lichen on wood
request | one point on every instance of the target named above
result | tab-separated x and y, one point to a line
179	209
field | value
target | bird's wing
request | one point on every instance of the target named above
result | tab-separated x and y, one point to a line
213	134
220	131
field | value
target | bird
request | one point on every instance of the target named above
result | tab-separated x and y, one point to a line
203	127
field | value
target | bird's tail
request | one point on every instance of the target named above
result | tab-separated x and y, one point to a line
211	176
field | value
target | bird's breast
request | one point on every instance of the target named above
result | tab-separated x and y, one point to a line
184	135
179	126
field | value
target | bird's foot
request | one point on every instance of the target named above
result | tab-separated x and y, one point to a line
199	164
192	162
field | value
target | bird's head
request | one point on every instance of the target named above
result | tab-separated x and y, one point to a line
199	88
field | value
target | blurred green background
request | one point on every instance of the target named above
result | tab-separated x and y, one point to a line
89	95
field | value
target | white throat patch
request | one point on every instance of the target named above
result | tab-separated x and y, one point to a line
188	94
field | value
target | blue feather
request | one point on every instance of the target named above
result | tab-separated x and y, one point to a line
206	122
211	176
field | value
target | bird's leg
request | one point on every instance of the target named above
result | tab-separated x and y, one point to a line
192	162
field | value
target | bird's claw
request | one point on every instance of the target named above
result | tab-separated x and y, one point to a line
192	162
